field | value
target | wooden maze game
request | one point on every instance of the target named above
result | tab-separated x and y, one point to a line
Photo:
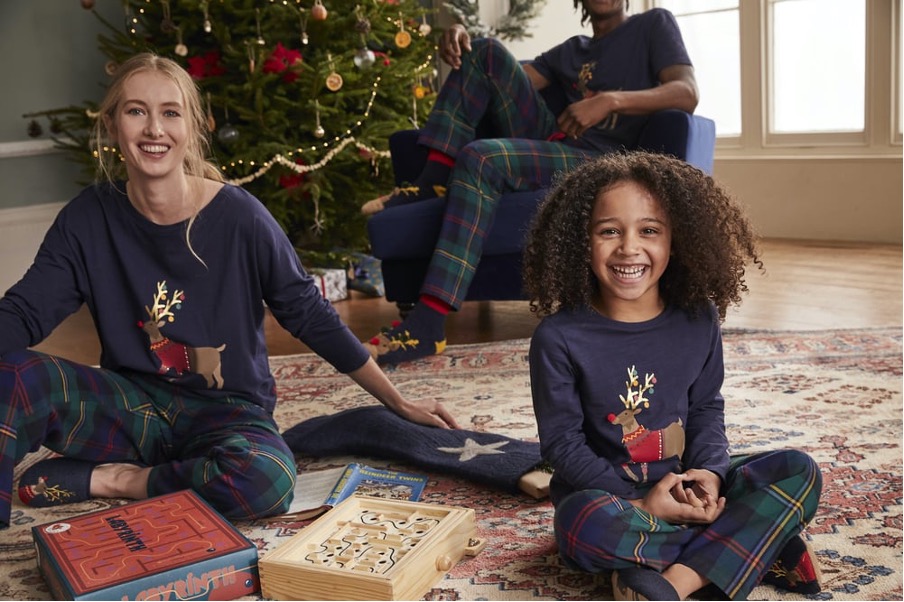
370	549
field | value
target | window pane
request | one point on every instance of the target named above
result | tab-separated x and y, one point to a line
685	7
818	65
713	42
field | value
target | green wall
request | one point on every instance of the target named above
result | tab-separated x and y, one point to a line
50	60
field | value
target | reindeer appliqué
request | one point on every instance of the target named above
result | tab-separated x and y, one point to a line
582	85
643	445
175	357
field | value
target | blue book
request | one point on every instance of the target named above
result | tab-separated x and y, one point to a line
377	482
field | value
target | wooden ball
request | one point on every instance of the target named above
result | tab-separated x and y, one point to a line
318	12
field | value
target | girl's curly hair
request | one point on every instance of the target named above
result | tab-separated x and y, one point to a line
712	240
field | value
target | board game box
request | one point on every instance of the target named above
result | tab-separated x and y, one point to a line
169	547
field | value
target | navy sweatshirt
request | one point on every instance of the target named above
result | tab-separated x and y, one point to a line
159	310
619	405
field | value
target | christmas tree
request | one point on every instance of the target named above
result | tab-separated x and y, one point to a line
302	96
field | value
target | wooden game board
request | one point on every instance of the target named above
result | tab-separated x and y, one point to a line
370	549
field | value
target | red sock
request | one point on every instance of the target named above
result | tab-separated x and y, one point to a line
440	157
437	305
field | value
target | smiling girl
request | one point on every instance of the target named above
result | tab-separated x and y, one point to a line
632	262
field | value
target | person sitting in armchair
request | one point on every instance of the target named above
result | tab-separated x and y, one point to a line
630	67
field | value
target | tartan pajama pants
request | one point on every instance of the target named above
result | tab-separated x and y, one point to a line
227	449
770	498
489	87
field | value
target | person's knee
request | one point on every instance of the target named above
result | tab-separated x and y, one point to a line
24	388
260	483
483	44
14	364
802	464
480	158
794	463
581	521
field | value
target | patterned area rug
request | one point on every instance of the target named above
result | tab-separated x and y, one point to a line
835	394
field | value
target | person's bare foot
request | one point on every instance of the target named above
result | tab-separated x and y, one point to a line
120	480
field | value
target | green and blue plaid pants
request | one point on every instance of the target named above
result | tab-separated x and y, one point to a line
227	449
490	87
770	498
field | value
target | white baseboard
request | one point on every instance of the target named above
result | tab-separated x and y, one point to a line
21	231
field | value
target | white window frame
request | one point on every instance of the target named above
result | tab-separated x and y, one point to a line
881	134
896	74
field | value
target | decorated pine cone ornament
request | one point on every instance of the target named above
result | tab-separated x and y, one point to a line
362	25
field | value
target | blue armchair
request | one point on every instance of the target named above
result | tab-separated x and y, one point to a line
403	237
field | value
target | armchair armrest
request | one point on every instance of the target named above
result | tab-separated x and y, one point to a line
691	138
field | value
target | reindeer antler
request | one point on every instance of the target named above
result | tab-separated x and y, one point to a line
634	398
162	307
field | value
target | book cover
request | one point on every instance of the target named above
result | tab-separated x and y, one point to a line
317	492
170	547
377	482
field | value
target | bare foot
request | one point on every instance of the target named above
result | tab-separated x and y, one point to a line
120	480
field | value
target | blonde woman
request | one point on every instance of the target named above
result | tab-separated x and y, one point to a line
176	267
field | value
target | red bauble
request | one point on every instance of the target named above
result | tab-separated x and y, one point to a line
87	4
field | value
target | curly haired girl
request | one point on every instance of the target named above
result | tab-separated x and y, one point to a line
632	262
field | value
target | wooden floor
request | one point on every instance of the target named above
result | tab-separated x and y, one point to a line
806	286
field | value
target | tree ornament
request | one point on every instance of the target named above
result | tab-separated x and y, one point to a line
402	38
303	22
228	133
252	56
319	132
318	11
362	25
424	28
207	25
257	18
34	128
167	25
87	4
181	49
333	80
364	59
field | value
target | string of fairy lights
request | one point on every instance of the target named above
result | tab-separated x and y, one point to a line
332	147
